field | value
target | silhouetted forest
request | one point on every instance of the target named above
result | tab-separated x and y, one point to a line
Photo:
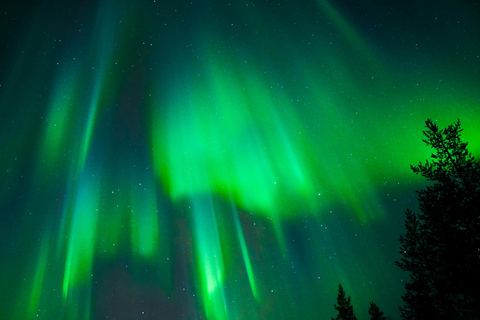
440	248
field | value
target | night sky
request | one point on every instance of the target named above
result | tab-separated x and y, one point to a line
216	160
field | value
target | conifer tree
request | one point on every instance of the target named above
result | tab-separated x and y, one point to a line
344	306
375	313
441	246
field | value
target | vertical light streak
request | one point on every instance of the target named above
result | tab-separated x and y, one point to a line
82	235
39	278
92	112
349	32
58	126
144	220
209	258
105	26
245	255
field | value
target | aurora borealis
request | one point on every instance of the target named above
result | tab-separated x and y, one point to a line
219	160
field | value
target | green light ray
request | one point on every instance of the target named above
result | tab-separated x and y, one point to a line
90	123
39	279
59	126
104	35
144	220
245	254
350	33
82	235
210	262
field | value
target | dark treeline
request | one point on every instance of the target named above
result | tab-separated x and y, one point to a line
345	309
441	246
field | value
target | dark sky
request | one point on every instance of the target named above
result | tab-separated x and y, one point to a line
216	160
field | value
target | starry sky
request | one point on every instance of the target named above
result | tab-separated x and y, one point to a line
219	160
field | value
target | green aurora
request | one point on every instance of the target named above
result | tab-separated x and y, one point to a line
215	160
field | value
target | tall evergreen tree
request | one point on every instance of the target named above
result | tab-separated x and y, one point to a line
375	313
441	246
344	306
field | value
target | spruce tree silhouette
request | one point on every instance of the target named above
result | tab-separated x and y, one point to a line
375	313
441	246
344	306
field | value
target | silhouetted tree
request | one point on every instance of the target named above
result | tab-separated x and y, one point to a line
441	246
344	306
375	313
